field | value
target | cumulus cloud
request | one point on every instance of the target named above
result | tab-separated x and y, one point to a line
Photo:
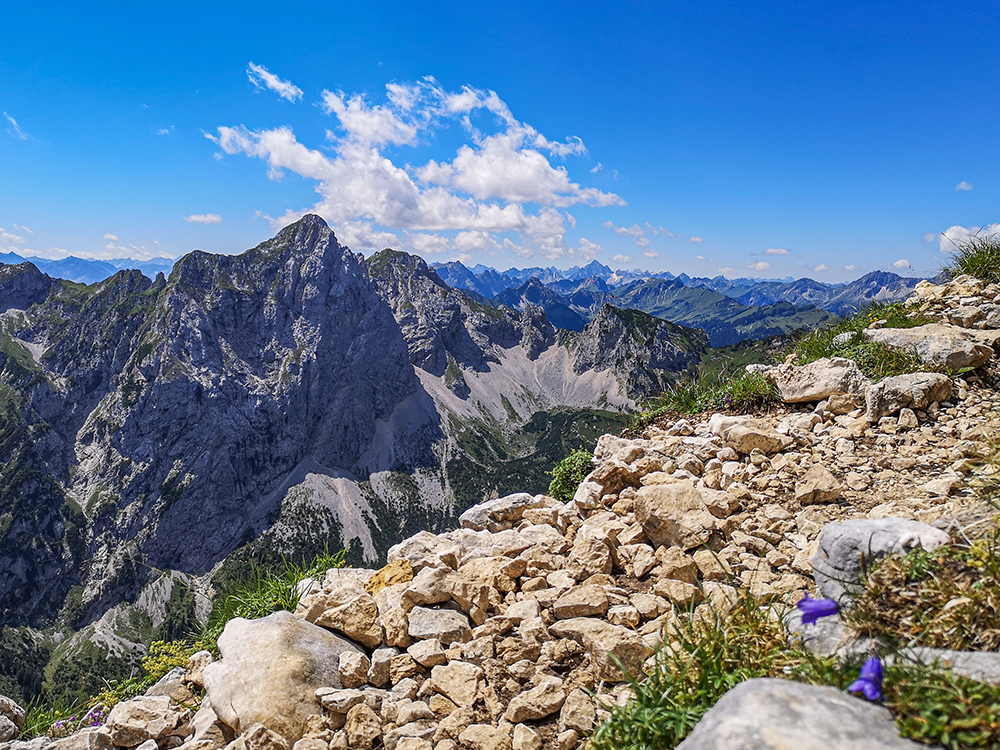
963	186
727	270
112	237
760	265
650	253
952	238
16	130
262	78
776	251
203	219
597	168
851	267
695	239
901	263
821	267
622	258
498	184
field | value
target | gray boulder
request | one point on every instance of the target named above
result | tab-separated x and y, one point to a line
502	513
819	380
915	390
770	714
946	345
848	548
270	670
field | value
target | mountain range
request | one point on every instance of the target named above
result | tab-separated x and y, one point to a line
294	397
730	310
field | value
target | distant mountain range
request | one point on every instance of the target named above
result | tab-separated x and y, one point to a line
729	310
88	270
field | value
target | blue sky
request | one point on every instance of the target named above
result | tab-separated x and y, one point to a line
748	138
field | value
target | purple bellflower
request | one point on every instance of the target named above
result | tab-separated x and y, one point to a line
869	681
813	609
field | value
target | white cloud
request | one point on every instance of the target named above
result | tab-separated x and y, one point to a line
16	130
695	239
963	186
635	233
650	253
821	267
368	125
951	238
261	77
427	244
699	257
727	270
622	258
851	267
930	237
486	191
112	237
597	168
10	237
203	219
21	228
901	263
165	131
760	265
776	251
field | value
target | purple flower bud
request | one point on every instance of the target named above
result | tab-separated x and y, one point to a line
869	681
813	609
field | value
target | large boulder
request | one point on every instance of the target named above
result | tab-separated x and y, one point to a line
674	513
270	670
746	434
939	344
819	380
770	714
848	548
503	512
915	390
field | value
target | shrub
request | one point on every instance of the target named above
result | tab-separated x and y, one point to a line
569	473
978	256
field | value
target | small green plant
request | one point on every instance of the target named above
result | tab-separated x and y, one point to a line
569	473
978	256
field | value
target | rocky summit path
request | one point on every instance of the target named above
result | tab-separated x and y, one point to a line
509	632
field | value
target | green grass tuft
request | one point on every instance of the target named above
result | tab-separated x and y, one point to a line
978	256
875	360
722	391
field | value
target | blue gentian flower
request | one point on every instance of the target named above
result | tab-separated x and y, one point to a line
813	609
869	681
